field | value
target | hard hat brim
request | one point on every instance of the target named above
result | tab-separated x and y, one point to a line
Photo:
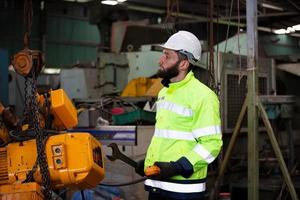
166	47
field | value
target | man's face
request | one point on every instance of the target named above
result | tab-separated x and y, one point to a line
168	64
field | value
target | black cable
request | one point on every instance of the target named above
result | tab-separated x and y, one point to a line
123	184
104	184
48	115
4	144
20	136
61	193
29	176
82	194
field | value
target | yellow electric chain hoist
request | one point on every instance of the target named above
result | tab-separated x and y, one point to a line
74	160
37	155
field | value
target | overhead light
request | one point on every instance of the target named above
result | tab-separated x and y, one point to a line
51	70
297	27
109	2
270	6
42	6
290	29
280	31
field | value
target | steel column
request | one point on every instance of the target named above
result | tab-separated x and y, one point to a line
252	82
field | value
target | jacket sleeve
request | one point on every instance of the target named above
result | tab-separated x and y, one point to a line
206	130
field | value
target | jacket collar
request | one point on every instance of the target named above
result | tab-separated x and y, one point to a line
187	78
172	86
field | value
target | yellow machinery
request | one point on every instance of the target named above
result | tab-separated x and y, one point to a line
35	155
74	160
142	87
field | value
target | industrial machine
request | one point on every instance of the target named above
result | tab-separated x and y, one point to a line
69	165
113	72
36	153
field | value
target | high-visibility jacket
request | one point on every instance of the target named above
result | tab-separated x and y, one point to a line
187	125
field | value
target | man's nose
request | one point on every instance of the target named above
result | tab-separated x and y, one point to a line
160	61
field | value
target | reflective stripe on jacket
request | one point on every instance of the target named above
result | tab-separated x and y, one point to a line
187	124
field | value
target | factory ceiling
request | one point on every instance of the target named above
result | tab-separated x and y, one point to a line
275	13
272	14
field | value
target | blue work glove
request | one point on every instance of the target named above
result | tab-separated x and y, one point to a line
139	169
168	169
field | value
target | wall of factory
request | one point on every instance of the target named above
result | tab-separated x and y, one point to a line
70	41
11	31
60	29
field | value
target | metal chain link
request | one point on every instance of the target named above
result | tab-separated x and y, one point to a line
31	110
26	106
31	102
26	118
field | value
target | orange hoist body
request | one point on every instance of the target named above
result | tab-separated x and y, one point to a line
75	160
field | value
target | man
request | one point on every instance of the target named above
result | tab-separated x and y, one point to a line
188	128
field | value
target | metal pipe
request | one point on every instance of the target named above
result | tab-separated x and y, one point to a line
282	14
212	82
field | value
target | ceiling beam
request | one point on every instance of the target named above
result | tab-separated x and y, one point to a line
197	18
294	4
281	14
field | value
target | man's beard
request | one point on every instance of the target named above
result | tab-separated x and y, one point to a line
170	72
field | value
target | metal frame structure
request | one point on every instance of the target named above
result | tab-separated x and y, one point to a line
254	106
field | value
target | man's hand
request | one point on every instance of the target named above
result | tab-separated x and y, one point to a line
168	169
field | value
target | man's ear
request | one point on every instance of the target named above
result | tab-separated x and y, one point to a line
184	65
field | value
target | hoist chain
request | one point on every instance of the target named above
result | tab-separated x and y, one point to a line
26	106
31	109
34	121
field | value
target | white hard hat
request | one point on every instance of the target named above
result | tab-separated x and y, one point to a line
186	43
